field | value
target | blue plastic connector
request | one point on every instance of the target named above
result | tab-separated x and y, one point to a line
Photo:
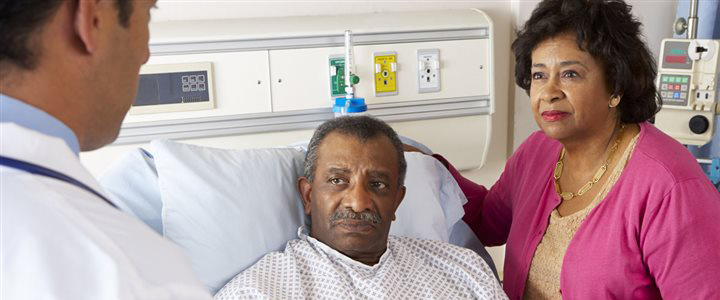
355	106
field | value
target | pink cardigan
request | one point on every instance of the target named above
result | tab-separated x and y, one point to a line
656	234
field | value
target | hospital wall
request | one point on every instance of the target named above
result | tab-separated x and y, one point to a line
512	120
656	16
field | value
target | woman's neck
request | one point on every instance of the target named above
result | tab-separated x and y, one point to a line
589	152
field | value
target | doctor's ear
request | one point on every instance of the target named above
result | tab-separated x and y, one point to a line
85	16
305	187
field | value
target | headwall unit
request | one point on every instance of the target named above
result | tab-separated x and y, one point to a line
244	77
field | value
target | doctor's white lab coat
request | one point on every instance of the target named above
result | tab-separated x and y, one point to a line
62	242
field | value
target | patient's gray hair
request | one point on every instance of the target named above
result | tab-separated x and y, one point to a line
361	127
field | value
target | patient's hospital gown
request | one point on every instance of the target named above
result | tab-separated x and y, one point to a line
410	269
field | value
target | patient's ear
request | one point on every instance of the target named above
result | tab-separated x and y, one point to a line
305	187
400	196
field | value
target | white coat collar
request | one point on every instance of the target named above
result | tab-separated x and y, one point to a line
47	151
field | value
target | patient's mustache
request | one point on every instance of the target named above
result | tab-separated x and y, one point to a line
349	214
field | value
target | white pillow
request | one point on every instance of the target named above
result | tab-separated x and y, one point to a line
433	201
132	185
228	208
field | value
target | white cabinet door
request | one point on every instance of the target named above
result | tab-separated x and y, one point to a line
301	78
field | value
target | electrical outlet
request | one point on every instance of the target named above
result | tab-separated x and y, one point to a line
705	96
428	70
385	73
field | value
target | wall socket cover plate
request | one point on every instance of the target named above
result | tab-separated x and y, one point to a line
428	70
385	73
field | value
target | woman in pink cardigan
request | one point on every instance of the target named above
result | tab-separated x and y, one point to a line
599	204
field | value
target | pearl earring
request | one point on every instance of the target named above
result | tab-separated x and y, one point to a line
614	101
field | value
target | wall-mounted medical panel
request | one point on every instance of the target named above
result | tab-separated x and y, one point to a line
174	87
241	82
464	65
300	76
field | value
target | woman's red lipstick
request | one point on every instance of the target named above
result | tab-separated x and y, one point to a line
554	115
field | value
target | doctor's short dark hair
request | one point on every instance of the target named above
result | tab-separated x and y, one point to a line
360	127
21	21
608	31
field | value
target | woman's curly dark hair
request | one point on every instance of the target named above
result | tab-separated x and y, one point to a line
611	34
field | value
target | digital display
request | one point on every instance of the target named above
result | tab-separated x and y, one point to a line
675	59
675	55
172	88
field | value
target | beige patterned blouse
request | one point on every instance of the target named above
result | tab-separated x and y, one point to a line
544	278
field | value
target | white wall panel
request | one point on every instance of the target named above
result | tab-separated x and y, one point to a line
440	135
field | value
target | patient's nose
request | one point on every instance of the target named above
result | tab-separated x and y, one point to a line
358	198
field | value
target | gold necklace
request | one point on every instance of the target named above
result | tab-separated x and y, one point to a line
598	174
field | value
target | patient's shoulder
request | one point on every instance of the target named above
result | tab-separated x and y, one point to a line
460	266
436	252
268	275
279	261
291	251
425	244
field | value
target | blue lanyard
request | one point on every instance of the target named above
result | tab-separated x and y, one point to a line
39	170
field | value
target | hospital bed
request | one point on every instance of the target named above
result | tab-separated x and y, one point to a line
227	208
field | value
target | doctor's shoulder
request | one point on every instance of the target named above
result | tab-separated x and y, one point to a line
58	242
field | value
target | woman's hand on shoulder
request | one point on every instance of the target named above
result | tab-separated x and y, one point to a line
408	148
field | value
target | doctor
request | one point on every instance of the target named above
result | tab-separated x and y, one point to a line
68	74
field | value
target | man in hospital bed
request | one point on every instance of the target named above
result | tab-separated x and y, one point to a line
353	184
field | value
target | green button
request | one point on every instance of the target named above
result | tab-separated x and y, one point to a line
685	80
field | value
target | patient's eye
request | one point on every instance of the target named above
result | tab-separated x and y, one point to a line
337	181
378	185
